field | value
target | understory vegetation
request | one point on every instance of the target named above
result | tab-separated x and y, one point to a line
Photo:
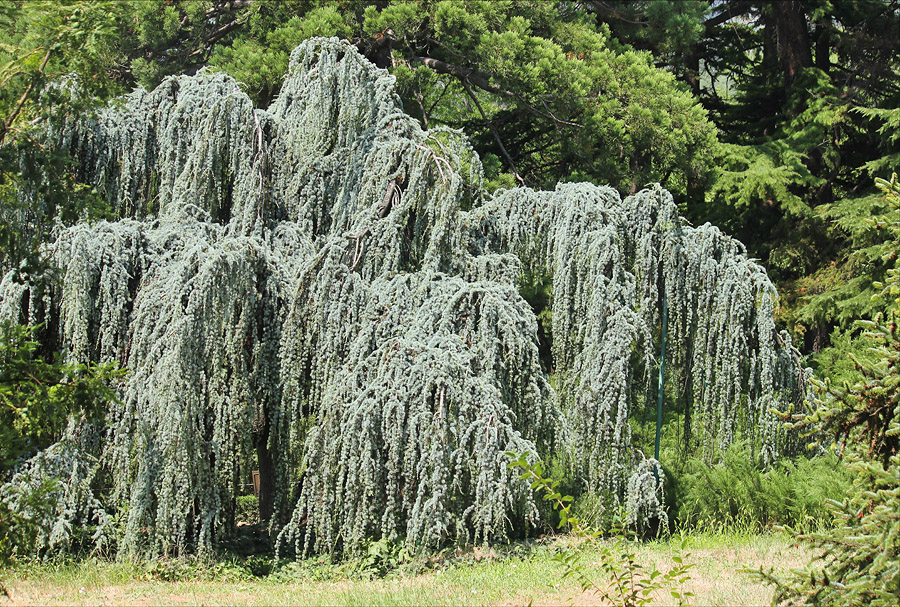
737	493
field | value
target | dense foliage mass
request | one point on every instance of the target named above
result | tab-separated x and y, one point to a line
325	283
858	560
798	91
767	118
39	393
542	90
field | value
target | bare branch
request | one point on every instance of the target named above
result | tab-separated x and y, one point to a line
469	75
490	125
4	128
463	73
731	11
219	33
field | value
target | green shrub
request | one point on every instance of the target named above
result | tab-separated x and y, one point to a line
738	492
247	509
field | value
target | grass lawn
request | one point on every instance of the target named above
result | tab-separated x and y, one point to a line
478	578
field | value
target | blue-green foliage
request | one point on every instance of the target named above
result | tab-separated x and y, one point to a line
328	284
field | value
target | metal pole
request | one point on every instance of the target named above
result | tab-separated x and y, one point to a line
662	372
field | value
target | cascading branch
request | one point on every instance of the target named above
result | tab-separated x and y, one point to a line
613	264
323	285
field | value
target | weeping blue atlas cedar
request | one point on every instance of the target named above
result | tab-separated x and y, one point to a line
325	286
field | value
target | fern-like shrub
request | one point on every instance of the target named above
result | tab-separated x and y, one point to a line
739	492
326	284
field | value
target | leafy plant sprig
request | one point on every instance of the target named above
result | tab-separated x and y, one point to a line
631	585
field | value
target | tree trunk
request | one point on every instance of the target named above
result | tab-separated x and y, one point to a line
692	71
266	475
770	38
793	39
823	45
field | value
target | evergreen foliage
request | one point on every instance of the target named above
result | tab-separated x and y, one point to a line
39	394
42	41
325	282
540	87
858	561
804	94
609	263
47	410
598	91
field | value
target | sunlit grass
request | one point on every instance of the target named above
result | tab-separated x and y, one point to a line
479	577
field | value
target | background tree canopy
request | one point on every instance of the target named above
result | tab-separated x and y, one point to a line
769	119
543	90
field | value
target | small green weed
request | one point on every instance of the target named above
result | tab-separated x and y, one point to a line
189	569
382	557
629	584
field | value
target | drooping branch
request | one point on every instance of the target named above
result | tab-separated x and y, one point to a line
326	281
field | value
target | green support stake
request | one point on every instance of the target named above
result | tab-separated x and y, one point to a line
662	372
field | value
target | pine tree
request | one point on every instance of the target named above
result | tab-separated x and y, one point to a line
858	561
